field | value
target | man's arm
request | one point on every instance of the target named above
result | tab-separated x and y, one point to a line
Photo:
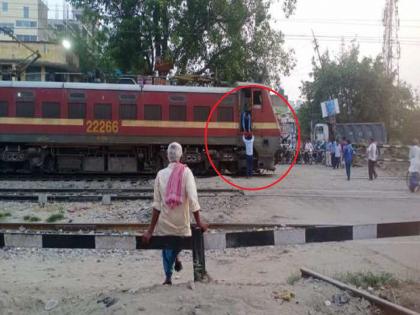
203	226
192	195
148	234
157	199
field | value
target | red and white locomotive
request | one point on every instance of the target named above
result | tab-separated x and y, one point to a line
121	128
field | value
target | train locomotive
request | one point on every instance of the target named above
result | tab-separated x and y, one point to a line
56	127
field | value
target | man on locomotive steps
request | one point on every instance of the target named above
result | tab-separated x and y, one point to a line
175	194
248	139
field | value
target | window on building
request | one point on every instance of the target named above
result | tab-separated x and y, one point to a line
4	109
257	98
128	111
51	110
225	114
26	12
26	23
25	109
5	6
201	113
152	112
178	112
8	26
27	38
77	110
102	111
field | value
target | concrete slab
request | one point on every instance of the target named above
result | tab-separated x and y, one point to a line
22	240
366	231
290	236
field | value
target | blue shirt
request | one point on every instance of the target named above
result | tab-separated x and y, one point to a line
348	153
329	147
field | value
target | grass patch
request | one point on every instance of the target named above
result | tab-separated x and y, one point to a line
368	279
293	278
55	217
31	218
4	215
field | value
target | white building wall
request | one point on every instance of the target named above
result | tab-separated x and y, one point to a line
30	28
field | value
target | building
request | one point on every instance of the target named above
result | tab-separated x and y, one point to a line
54	65
26	19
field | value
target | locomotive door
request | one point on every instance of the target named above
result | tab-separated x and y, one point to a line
251	105
246	110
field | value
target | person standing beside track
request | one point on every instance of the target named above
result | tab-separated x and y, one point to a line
414	169
372	156
248	140
348	157
328	154
175	194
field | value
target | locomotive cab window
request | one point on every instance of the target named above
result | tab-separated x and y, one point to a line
257	98
77	110
4	109
128	111
201	113
102	111
25	109
225	114
152	112
51	110
178	112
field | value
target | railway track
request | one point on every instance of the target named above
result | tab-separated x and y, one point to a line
100	177
75	177
92	194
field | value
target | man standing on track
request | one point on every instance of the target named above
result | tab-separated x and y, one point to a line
372	156
248	139
175	194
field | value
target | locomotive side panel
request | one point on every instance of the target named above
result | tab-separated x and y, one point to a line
80	128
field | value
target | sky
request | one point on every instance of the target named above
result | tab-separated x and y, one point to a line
352	19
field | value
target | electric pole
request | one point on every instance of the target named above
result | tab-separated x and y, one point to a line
391	50
331	118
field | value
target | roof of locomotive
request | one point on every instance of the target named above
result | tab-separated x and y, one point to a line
116	87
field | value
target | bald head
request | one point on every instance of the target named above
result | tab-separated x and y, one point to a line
174	152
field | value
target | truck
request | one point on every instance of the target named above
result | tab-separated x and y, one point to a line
357	133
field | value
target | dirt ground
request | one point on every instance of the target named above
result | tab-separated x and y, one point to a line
245	281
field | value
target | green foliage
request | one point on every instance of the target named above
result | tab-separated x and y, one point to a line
4	215
364	91
368	279
55	217
31	218
232	40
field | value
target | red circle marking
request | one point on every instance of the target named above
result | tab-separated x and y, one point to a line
206	136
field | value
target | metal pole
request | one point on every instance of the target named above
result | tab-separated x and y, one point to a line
199	260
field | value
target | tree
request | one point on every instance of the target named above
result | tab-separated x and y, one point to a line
364	91
229	39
